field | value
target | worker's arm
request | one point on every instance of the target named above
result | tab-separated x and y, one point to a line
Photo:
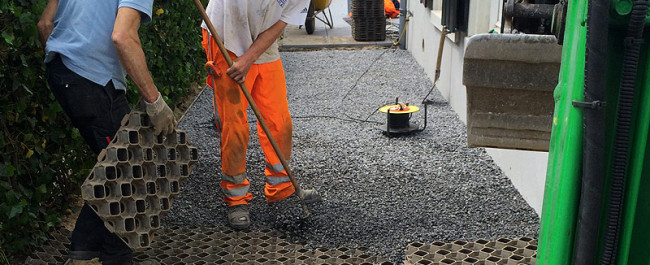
242	64
46	23
129	50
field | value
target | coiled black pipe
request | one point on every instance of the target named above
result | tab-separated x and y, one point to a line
593	175
631	56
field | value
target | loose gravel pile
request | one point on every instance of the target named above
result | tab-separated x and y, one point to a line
379	193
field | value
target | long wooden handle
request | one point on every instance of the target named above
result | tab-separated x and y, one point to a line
441	45
244	89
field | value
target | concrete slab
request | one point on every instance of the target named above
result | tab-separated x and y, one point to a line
517	75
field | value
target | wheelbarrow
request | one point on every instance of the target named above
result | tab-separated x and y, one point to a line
317	7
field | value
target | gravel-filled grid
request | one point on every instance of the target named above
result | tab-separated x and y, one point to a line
379	193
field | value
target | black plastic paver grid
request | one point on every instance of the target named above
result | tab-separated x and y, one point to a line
222	245
218	245
502	251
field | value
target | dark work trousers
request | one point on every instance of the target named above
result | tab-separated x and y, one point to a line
396	3
97	111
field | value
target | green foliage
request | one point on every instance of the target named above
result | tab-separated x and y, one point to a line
172	42
43	159
3	258
37	154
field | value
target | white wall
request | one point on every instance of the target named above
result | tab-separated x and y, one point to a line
526	170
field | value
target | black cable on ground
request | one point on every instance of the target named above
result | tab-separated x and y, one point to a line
631	54
334	117
426	98
355	86
362	75
347	117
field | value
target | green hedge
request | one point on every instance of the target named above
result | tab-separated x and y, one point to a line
42	158
172	43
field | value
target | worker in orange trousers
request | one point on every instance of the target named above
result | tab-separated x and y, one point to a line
251	41
391	9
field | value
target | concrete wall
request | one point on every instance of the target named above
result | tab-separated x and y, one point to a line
526	170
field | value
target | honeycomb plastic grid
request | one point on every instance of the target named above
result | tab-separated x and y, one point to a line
218	245
137	177
502	251
221	245
225	246
52	252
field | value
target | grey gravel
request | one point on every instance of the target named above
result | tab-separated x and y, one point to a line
379	193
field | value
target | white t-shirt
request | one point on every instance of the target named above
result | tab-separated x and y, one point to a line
239	22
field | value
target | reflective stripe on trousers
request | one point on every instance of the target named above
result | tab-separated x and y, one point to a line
267	86
236	192
235	189
277	168
276	180
277	175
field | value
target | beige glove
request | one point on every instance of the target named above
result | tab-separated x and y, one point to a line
161	116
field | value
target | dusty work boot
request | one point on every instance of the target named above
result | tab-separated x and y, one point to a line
309	195
239	217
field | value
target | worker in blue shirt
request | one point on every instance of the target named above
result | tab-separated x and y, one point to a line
90	46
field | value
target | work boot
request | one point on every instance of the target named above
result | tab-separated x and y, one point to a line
309	196
239	217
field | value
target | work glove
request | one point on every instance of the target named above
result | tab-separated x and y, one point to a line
161	116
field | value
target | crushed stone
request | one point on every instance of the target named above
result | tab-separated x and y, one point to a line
379	193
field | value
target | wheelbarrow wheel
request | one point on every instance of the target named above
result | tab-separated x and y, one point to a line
310	21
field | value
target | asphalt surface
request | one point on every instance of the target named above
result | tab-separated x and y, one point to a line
379	193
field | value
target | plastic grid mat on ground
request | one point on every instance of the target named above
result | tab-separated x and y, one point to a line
502	251
222	245
218	245
54	251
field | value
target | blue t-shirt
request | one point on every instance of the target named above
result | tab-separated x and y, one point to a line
82	36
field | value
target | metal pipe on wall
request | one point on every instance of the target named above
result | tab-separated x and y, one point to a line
403	13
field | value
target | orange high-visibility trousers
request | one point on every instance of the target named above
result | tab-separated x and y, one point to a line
390	9
266	84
